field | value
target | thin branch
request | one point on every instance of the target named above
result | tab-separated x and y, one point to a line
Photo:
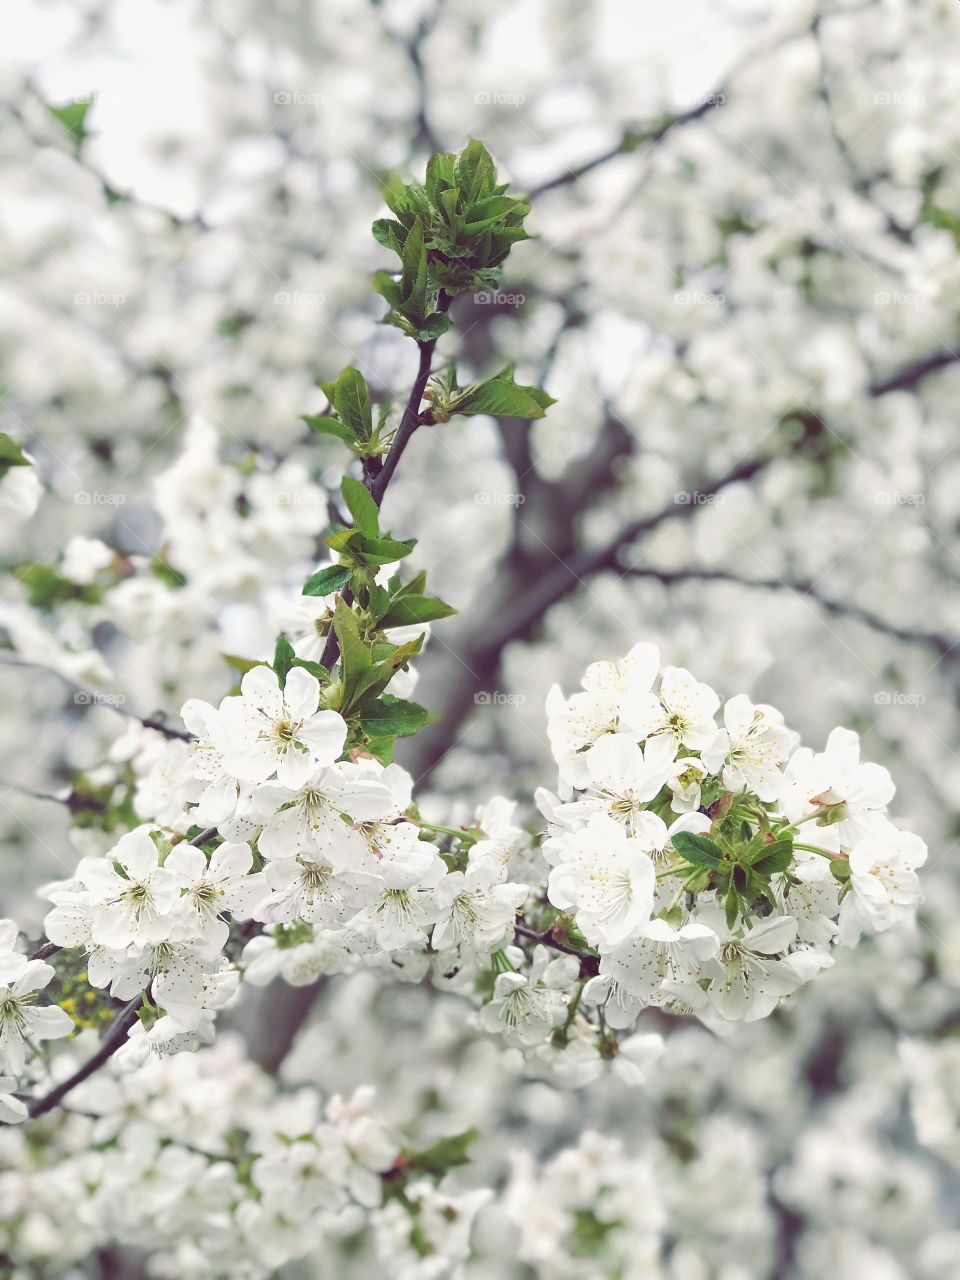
111	194
115	1038
377	483
649	136
906	379
840	608
92	697
35	795
411	419
547	940
425	136
568	575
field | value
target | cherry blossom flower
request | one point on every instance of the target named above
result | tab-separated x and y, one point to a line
317	820
609	689
22	1021
607	877
526	1006
637	968
133	898
845	792
476	909
684	709
624	777
753	976
750	749
212	889
267	730
12	1110
883	883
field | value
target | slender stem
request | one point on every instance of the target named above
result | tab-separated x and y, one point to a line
377	483
670	871
824	853
572	1011
443	831
411	414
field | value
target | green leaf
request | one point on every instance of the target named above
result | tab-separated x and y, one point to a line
502	397
474	171
413	285
11	455
73	116
384	227
378	675
324	426
441	1157
46	587
352	403
389	717
433	327
775	858
341	539
243	665
381	551
699	850
355	658
326	581
361	505
486	212
314	668
283	659
406	611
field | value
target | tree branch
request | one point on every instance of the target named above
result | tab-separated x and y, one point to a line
906	379
945	647
115	1038
517	597
92	697
649	135
377	483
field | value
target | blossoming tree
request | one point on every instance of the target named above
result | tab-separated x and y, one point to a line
694	862
302	990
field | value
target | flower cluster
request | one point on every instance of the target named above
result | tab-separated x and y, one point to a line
696	862
216	1171
713	867
319	853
